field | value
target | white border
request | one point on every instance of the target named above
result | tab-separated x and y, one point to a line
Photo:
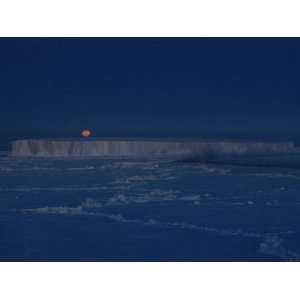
149	18
149	281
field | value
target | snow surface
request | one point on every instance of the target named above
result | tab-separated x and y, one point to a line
122	210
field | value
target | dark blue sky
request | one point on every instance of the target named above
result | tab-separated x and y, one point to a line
54	87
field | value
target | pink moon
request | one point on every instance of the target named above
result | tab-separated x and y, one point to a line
86	133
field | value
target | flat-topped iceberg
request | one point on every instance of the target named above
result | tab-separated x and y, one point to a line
145	148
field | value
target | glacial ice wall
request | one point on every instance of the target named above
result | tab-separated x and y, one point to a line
143	148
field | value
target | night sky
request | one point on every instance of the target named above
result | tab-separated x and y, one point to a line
150	87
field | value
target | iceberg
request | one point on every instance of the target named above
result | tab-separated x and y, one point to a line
148	148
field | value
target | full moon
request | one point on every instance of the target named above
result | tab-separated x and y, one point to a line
85	133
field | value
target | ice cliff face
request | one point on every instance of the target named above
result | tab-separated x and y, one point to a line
143	148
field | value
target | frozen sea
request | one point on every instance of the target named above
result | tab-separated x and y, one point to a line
110	210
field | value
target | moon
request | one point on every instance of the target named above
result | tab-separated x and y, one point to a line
86	133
